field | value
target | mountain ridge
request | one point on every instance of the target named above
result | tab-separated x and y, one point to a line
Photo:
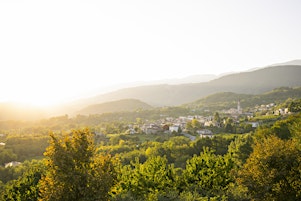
115	106
254	82
249	82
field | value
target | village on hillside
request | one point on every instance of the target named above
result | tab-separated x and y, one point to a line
232	120
226	120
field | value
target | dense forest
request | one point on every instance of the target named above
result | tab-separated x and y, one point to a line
95	157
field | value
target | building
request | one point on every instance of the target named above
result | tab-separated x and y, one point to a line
12	164
151	128
174	128
254	124
205	133
239	108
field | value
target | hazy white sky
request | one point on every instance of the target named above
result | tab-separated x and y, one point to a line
54	50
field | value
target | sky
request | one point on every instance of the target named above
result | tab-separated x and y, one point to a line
53	51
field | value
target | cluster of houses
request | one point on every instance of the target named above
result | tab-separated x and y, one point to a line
271	109
178	125
170	125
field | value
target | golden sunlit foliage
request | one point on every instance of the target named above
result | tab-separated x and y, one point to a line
263	164
75	171
272	172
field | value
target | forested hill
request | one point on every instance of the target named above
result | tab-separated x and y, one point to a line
260	81
254	82
115	106
225	100
247	83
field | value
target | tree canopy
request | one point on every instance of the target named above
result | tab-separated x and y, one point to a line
272	172
75	171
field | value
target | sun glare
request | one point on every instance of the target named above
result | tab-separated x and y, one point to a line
35	100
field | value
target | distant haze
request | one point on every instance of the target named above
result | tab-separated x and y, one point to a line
54	51
154	95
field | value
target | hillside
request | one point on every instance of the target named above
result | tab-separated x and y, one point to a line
249	83
115	106
254	82
226	100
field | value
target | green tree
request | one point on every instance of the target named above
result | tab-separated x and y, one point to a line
208	174
295	106
25	187
75	171
272	172
7	155
218	144
217	118
241	148
152	177
284	129
193	125
229	125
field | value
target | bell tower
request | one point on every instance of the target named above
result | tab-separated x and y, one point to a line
239	109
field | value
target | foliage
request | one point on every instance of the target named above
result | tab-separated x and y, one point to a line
74	171
208	174
7	155
218	143
295	106
25	187
151	177
281	128
222	100
153	167
240	149
13	173
272	172
192	126
23	147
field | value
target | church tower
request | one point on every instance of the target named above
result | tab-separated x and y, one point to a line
239	109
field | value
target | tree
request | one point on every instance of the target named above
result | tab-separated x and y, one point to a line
7	155
144	180
25	187
75	171
283	129
272	172
193	125
217	118
208	174
241	148
229	125
295	106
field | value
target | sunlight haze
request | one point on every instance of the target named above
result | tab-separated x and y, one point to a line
54	51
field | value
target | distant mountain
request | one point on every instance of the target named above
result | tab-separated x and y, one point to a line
115	106
185	80
294	62
254	82
248	83
174	81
